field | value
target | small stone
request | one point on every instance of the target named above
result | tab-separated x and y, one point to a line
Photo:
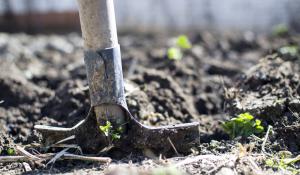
225	171
27	167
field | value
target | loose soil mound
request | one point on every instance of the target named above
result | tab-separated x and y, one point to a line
270	91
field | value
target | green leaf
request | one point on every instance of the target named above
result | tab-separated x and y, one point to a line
259	129
115	136
109	131
270	162
292	50
174	53
106	128
183	42
280	162
244	125
11	151
257	122
246	116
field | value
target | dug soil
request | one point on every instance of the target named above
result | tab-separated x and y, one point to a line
43	81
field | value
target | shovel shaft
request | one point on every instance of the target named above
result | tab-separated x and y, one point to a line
98	25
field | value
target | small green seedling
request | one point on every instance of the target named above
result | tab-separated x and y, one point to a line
292	50
10	151
243	125
106	128
181	43
174	53
108	131
280	30
116	134
283	161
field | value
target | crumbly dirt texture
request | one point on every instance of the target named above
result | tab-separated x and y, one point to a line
43	81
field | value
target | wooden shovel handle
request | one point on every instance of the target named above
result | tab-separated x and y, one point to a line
98	24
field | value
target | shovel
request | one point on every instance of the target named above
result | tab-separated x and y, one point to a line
109	121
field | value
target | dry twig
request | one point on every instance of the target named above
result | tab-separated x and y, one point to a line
58	155
9	159
254	166
23	152
27	167
173	146
47	156
263	150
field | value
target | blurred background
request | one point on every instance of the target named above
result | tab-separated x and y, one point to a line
35	16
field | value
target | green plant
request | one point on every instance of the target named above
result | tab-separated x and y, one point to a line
280	30
10	151
116	134
283	161
181	43
174	53
292	50
243	125
108	131
106	128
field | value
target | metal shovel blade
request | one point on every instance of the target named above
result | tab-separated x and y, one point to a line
88	136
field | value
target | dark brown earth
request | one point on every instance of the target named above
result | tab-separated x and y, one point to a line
43	81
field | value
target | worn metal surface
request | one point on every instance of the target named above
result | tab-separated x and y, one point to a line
105	76
86	133
91	140
182	136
